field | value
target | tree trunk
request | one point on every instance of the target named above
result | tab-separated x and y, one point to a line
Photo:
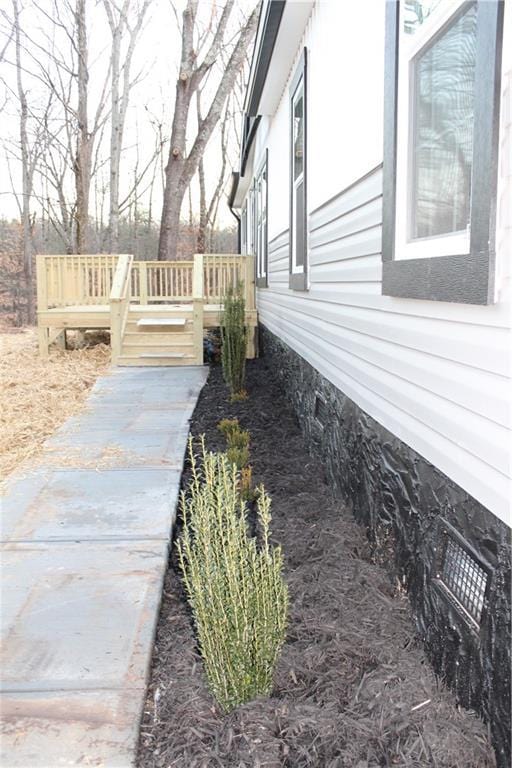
119	101
26	174
182	167
84	139
115	144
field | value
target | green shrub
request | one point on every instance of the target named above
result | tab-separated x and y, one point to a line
234	340
239	456
235	588
238	439
228	427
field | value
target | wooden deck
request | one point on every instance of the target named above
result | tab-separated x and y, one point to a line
156	312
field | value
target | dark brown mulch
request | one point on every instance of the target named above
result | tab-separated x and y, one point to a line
352	688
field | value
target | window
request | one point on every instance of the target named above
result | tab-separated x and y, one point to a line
249	223
243	231
261	199
298	171
442	87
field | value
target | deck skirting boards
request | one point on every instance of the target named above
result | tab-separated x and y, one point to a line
408	505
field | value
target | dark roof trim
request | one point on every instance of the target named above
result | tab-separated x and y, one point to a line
271	25
251	126
235	177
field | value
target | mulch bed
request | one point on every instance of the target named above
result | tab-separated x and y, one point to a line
352	688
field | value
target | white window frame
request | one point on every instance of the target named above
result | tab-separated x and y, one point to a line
297	269
299	274
410	46
261	214
249	205
243	226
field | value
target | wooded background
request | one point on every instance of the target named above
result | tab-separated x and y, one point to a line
92	161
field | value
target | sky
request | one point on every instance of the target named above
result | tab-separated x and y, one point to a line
155	63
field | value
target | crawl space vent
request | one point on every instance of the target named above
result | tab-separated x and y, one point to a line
320	410
464	577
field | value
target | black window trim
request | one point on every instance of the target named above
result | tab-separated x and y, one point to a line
466	278
298	281
262	280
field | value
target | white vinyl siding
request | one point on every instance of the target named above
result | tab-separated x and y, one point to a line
435	375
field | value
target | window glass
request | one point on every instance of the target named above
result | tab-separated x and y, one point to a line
299	225
298	135
416	12
443	112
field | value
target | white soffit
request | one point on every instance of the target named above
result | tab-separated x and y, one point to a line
293	22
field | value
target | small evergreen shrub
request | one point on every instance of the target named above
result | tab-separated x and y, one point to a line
228	427
238	455
236	590
234	341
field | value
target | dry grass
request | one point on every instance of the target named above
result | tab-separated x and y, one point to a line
36	395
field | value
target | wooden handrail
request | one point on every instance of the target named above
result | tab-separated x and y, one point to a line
120	303
198	305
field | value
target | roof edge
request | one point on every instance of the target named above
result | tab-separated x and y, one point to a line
271	24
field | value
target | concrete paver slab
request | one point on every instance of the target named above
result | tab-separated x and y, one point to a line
79	617
126	418
94	729
66	504
129	449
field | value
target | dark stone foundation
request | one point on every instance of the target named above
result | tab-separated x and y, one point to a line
406	501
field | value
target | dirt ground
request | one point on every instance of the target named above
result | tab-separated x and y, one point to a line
352	687
37	395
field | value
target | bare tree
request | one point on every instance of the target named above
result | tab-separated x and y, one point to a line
28	164
119	23
208	210
182	166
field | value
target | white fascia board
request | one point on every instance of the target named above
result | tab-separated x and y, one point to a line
293	23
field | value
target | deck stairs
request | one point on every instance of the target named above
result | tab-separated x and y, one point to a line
158	335
156	311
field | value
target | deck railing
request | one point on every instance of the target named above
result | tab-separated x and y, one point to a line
161	281
87	279
84	279
120	304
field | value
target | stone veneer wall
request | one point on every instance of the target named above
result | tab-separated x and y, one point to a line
393	490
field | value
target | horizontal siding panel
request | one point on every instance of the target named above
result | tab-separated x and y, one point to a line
488	485
359	194
468	345
279	240
275	259
365	217
367	267
432	410
447	379
352	247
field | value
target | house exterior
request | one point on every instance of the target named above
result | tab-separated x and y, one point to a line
375	192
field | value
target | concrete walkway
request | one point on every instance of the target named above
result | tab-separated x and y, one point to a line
85	537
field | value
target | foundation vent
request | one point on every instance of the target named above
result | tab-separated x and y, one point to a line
320	410
463	575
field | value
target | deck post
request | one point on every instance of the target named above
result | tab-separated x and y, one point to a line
250	284
198	306
143	282
250	306
42	304
42	288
